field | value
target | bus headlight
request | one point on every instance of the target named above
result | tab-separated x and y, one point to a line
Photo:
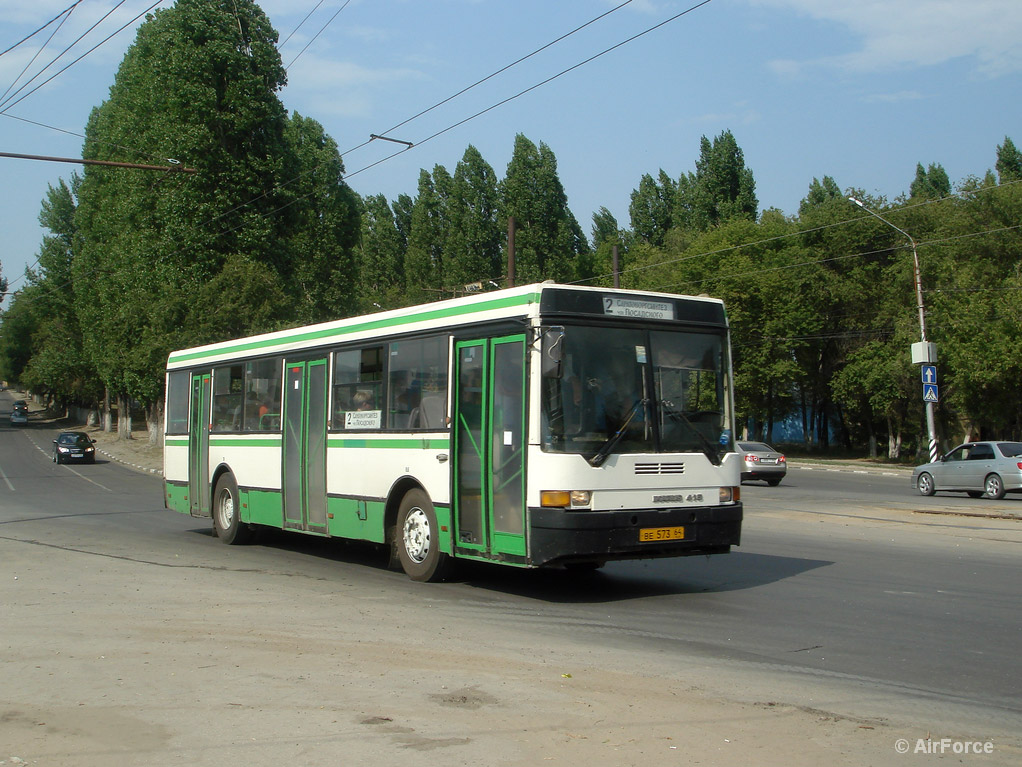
581	497
730	494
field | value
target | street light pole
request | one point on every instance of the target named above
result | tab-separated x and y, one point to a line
930	425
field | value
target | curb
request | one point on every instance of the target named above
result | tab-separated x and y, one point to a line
135	466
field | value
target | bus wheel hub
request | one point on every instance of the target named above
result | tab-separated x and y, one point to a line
416	535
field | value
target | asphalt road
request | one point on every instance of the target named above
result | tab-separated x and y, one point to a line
843	598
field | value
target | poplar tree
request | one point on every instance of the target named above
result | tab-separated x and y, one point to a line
548	242
473	243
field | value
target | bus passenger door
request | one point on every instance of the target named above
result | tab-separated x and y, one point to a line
198	445
489	445
304	461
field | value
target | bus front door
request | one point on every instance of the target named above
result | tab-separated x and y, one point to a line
489	446
198	446
304	462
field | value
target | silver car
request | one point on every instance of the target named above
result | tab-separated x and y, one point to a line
988	469
760	461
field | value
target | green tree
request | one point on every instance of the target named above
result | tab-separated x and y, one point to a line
651	208
321	232
380	258
59	365
1009	162
424	259
721	189
198	84
930	183
820	193
549	241
472	249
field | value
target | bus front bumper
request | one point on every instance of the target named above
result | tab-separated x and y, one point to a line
559	536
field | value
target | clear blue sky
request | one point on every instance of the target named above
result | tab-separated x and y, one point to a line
860	91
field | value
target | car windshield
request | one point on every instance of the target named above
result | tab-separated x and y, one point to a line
79	440
625	390
755	447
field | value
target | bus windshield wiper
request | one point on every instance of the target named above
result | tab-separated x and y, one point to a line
600	455
708	448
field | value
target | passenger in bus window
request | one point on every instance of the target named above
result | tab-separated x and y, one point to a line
363	400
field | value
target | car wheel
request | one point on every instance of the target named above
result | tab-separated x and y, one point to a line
418	539
227	512
924	484
994	487
774	481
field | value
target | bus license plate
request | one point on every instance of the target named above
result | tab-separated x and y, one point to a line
652	534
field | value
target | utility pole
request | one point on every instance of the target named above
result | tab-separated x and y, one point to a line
924	353
175	167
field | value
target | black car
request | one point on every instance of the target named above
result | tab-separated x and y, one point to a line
74	446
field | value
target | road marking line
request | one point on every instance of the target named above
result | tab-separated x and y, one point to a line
87	479
9	485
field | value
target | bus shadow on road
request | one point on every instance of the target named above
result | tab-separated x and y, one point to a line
637	579
616	582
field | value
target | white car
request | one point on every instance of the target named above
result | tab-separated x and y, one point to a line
979	469
19	418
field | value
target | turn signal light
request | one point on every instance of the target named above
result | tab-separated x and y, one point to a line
554	498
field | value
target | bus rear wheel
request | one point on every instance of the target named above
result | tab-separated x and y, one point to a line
418	539
227	512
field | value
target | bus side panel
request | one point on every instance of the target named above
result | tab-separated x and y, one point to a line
262	507
255	464
176	496
361	467
356	518
175	460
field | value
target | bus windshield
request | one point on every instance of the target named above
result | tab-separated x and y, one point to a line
628	390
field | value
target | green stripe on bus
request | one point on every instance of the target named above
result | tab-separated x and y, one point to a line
426	444
244	442
403	444
325	333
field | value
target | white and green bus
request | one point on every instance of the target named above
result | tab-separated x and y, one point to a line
544	425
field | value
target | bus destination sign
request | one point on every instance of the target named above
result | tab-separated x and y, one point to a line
638	308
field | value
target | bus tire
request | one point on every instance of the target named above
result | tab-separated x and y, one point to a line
227	522
418	539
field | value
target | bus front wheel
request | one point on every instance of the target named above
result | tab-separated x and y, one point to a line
227	512
418	539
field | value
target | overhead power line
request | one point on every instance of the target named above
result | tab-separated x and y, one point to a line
44	26
328	23
38	53
490	76
9	103
531	88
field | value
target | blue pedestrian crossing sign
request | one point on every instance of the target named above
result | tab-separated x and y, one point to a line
929	374
930	393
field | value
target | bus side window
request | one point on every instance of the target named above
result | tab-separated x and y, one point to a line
417	393
177	401
262	401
